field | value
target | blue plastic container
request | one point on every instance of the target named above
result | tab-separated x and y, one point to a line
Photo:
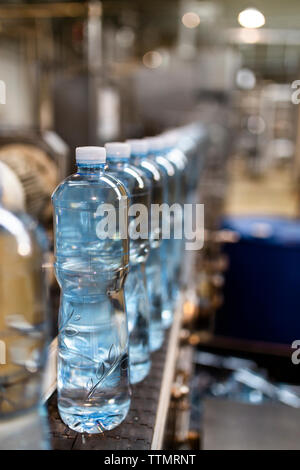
262	284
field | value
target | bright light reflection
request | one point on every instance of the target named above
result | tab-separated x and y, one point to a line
251	18
190	20
249	36
152	59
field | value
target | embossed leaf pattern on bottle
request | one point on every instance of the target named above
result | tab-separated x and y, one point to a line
69	330
104	370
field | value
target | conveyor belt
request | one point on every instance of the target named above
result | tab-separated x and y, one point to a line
144	426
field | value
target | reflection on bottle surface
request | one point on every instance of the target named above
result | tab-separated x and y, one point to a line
23	332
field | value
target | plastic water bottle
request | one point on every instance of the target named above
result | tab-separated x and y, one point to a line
23	333
136	296
193	142
91	267
157	151
175	155
139	152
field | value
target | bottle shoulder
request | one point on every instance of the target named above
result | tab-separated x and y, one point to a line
178	158
151	169
168	167
134	180
89	189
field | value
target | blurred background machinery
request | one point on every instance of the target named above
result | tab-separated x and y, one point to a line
82	73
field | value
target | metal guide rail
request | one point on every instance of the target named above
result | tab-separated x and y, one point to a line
145	424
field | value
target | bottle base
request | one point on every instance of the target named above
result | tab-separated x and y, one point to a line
167	318
138	372
94	421
156	339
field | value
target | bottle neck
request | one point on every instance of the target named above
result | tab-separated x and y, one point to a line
138	156
156	153
90	169
117	163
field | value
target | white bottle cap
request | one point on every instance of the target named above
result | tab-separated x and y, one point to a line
92	155
156	144
117	149
138	146
170	139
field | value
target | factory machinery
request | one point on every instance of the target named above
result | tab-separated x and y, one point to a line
62	79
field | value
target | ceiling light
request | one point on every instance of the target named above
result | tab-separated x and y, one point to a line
251	18
152	59
190	20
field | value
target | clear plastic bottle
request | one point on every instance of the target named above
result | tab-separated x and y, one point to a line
139	152
193	141
23	332
136	296
175	155
91	267
157	151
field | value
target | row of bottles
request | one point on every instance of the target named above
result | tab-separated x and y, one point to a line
119	283
118	291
